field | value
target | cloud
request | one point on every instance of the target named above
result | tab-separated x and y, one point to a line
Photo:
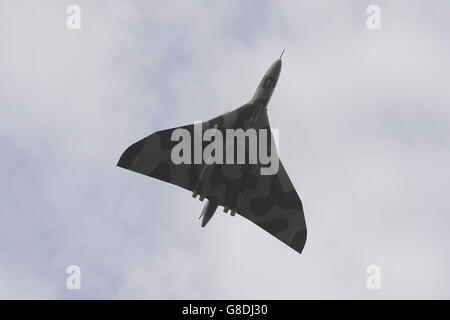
367	109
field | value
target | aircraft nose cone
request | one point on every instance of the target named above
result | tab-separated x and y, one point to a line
268	83
275	69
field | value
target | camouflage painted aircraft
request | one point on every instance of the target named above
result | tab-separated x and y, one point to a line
269	201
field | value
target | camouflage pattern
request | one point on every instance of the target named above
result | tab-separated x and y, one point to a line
269	201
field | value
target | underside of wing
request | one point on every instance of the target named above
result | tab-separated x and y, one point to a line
270	201
274	205
151	156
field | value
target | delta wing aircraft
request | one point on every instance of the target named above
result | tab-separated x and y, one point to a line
267	198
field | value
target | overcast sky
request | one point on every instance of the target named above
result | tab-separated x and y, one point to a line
364	120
